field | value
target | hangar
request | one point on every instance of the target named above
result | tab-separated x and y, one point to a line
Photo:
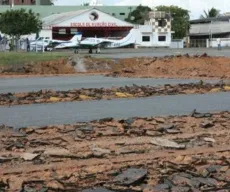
156	32
91	22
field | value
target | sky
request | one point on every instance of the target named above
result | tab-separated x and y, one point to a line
196	7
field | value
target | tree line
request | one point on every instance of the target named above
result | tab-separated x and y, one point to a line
180	17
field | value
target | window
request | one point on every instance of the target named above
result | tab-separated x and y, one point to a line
161	23
162	38
73	30
122	13
62	31
22	1
145	38
113	14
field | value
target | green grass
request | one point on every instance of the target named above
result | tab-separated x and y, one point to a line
14	58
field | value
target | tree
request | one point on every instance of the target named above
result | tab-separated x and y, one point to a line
47	2
85	4
19	22
180	20
139	15
213	12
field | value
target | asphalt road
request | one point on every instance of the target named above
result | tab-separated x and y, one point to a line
74	82
156	52
65	113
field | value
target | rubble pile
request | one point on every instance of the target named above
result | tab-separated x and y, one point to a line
51	96
156	154
173	66
60	66
180	66
73	65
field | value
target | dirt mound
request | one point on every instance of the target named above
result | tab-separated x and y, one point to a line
93	65
167	67
74	64
60	66
176	67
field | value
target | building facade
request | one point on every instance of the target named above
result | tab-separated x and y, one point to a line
25	2
204	32
160	29
95	23
91	22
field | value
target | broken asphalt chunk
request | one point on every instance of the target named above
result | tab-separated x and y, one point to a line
131	176
200	115
166	127
180	180
108	119
214	168
173	131
180	189
98	189
129	121
58	152
17	134
6	159
29	156
158	188
99	152
18	144
206	124
86	128
207	181
167	143
209	140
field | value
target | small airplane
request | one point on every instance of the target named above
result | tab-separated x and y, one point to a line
49	44
73	43
97	43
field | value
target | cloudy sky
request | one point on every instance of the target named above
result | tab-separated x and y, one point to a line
195	6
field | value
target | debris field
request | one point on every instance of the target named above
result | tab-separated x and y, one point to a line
135	91
155	154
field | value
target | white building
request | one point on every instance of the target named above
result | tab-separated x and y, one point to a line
96	3
92	22
156	32
205	32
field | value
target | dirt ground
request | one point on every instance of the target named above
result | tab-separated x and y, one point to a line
181	66
175	153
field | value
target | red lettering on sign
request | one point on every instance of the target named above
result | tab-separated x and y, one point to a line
97	24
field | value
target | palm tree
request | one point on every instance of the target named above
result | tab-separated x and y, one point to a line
213	12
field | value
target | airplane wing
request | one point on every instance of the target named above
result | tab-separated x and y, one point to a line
57	41
103	44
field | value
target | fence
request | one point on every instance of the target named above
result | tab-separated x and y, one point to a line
198	43
225	42
177	44
19	45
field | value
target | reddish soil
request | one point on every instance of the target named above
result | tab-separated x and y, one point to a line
196	67
75	157
176	67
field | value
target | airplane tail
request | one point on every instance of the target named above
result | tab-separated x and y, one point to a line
130	38
77	37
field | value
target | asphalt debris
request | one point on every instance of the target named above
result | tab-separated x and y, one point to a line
126	155
52	96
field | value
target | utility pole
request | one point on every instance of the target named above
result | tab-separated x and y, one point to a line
12	4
